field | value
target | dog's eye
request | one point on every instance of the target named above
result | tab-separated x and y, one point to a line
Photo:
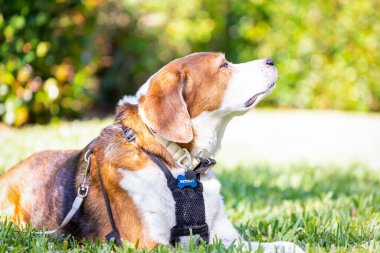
224	65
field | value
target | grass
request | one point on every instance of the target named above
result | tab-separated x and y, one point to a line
323	208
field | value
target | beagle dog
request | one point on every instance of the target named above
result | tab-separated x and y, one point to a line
187	104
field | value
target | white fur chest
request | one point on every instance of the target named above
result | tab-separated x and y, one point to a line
149	191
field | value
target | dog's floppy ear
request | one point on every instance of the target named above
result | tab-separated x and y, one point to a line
165	109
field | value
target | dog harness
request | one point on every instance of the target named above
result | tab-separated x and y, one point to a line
187	192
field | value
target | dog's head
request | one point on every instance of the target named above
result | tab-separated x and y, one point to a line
201	82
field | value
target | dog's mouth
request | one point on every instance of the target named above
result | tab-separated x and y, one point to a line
253	99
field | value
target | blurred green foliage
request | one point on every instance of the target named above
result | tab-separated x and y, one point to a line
59	58
46	70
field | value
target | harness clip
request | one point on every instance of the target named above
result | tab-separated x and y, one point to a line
205	165
83	190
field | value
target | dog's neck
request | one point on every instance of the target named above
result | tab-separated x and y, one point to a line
209	129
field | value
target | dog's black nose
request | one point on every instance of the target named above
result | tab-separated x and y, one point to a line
269	62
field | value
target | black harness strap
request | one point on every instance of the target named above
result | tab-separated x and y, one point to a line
114	233
189	206
189	202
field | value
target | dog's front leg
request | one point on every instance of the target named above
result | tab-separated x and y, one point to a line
272	247
222	228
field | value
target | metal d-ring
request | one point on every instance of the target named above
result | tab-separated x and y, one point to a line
86	159
87	156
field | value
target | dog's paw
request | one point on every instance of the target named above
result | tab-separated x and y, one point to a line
274	247
288	247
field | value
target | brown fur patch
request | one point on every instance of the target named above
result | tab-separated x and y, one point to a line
130	118
20	215
165	108
208	82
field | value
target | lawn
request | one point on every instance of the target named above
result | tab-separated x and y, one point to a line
323	208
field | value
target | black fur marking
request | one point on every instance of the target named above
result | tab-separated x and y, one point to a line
118	115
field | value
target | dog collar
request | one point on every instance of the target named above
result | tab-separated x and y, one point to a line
181	156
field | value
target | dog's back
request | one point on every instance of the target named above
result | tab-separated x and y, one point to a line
20	186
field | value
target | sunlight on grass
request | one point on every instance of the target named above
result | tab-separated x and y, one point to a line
21	143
